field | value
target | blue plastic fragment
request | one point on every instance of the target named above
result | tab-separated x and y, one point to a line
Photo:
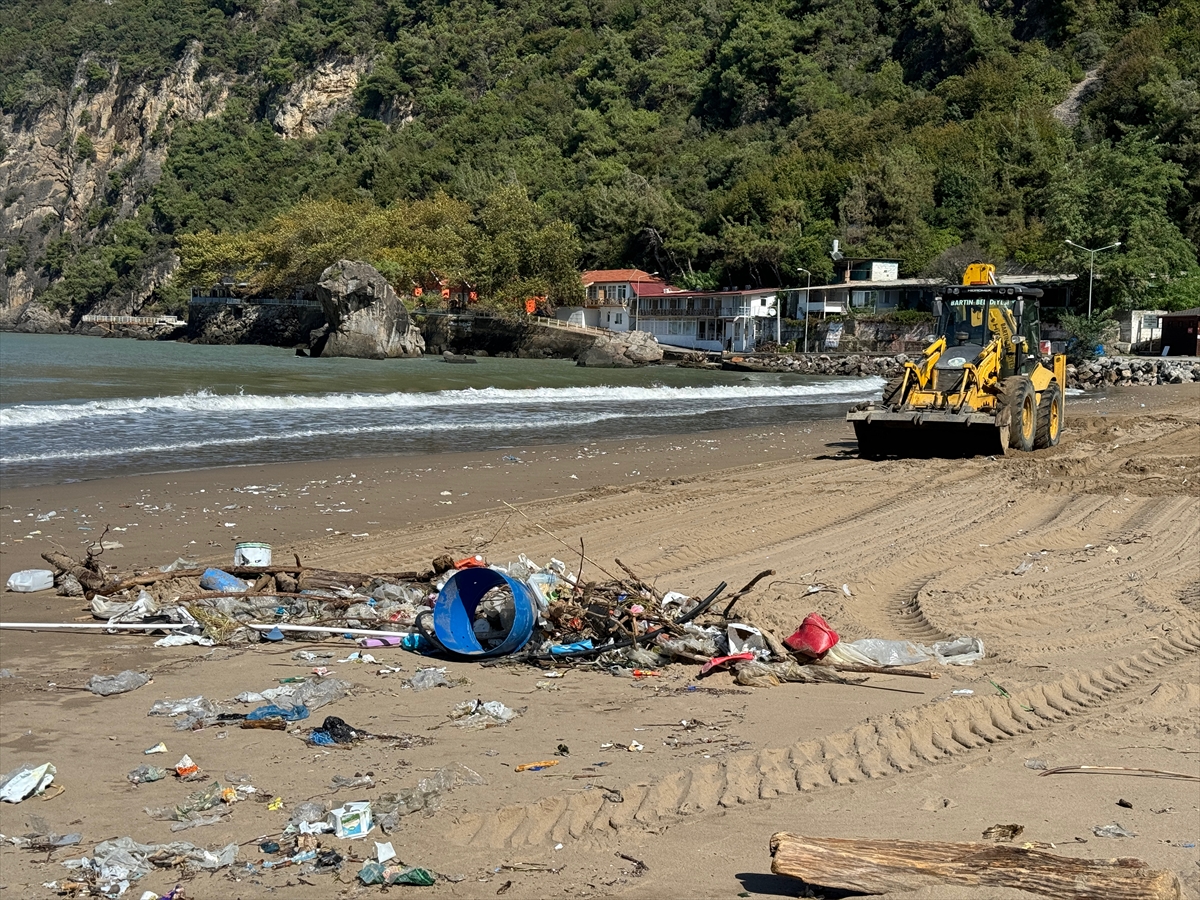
271	711
321	739
572	648
273	635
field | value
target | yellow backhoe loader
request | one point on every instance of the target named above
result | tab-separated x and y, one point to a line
979	387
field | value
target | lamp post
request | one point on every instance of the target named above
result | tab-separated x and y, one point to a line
1091	266
806	295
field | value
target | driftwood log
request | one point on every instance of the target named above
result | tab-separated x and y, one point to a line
877	867
91	579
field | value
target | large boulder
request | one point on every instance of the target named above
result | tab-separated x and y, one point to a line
365	317
620	350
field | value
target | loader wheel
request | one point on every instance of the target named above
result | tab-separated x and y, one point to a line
891	391
1018	395
1049	417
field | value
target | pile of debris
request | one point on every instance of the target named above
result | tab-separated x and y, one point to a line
470	609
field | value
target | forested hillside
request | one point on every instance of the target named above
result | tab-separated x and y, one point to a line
507	143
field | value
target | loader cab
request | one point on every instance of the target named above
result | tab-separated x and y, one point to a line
970	317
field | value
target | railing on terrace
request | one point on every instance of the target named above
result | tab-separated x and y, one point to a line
256	301
132	320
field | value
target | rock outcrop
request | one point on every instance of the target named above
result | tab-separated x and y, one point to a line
620	350
365	318
310	104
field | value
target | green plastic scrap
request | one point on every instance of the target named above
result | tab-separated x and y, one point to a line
376	873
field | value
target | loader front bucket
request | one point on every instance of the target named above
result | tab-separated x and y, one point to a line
882	434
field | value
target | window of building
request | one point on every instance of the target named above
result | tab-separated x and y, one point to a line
620	292
592	293
618	320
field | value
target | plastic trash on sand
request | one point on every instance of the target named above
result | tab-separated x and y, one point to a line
271	711
26	781
813	638
481	714
146	774
307	812
963	651
377	873
1115	830
219	580
746	639
29	580
427	794
41	835
424	679
124	859
107	685
352	820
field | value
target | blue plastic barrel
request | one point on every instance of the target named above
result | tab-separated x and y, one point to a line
454	612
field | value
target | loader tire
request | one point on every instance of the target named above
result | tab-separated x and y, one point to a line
1049	417
1021	399
891	391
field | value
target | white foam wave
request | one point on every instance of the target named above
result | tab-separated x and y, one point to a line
206	402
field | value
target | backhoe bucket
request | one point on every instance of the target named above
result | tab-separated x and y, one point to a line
881	434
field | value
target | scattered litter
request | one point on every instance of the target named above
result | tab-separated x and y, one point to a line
375	873
26	781
1125	803
351	781
427	794
160	747
1036	764
186	767
424	679
352	820
963	692
181	638
107	685
1113	830
271	711
335	731
480	714
29	580
537	766
145	774
123	859
384	852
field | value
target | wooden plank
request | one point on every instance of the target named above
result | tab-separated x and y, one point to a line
880	866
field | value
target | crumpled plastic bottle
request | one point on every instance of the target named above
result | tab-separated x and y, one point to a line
107	685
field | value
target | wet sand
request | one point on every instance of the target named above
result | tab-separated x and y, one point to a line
1097	645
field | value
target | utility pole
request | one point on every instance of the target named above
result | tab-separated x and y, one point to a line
806	296
1091	266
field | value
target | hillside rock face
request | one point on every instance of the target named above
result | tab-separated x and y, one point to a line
310	104
365	318
98	144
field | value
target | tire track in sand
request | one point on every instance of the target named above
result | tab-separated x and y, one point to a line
875	748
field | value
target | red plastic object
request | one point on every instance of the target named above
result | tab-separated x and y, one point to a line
814	637
471	562
718	661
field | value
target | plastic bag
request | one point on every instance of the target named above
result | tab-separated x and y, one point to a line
107	685
26	781
479	714
963	651
746	639
753	673
218	580
376	873
389	808
146	774
351	781
878	652
424	679
306	812
196	707
271	711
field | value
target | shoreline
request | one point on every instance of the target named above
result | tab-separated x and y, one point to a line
1107	519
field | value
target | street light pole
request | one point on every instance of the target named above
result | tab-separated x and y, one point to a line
1091	266
806	296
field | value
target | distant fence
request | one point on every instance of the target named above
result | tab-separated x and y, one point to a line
133	320
256	301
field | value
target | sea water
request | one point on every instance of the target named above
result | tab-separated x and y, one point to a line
78	407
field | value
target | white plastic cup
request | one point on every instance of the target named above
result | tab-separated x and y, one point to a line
252	553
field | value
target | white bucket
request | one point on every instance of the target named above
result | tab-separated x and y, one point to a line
252	553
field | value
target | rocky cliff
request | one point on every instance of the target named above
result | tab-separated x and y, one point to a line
87	158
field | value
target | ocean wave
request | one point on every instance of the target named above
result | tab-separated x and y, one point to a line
205	402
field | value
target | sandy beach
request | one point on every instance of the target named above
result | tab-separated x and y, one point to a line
1093	658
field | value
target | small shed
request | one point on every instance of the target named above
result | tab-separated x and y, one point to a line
1181	333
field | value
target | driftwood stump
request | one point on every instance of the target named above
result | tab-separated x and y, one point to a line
877	867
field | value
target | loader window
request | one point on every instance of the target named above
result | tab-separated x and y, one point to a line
964	324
